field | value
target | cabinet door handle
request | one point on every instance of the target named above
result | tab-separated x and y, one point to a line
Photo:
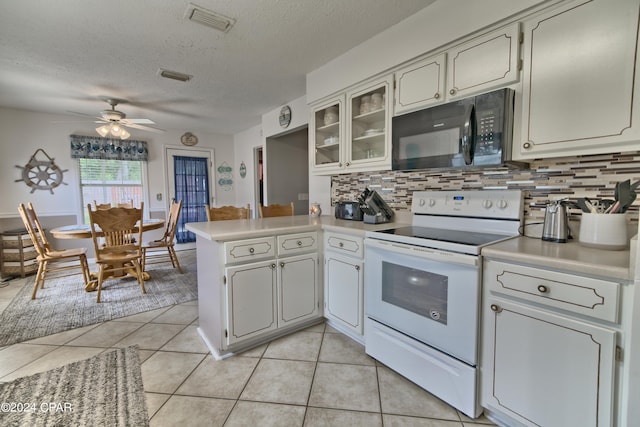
341	244
496	308
543	289
251	250
347	164
452	92
273	266
526	145
281	264
299	243
357	268
436	95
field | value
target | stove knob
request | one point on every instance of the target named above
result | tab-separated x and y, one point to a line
502	204
421	202
432	202
487	204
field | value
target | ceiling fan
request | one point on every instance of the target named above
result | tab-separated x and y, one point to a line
115	121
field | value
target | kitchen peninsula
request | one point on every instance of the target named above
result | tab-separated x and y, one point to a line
262	278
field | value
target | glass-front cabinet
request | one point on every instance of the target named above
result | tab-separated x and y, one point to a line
369	126
352	132
326	136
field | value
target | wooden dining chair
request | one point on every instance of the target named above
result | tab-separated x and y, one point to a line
276	210
128	204
117	242
154	252
51	260
227	212
97	205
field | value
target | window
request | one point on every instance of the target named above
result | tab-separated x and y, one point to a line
110	181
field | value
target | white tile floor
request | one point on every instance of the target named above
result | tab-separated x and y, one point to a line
315	377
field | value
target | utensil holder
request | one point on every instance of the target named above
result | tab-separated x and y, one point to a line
604	231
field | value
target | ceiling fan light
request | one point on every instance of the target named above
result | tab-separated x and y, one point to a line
103	130
116	130
124	134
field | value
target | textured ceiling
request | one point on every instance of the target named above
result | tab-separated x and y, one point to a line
61	56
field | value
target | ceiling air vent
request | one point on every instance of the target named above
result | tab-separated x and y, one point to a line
168	74
210	19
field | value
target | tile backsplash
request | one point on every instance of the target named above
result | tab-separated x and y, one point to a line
593	176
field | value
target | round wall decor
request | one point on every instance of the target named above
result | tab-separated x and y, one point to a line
189	139
41	174
285	116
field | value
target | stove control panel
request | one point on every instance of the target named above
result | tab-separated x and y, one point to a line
500	204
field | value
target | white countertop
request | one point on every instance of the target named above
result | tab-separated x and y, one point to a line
249	228
564	256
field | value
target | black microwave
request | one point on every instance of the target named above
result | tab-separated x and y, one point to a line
470	132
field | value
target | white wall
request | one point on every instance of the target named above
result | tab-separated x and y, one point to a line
24	132
442	22
244	143
288	156
299	117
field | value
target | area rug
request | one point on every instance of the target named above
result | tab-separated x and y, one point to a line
105	390
63	304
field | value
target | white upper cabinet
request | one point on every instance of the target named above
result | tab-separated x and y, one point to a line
326	136
352	132
478	65
420	84
484	63
579	95
369	127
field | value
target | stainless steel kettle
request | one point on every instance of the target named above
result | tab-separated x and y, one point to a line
556	222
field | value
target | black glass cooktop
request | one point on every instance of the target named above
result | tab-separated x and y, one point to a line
443	235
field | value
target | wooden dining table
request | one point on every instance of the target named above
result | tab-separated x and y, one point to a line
83	231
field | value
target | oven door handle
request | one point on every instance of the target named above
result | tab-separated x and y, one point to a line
422	252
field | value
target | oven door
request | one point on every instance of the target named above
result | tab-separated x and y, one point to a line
432	296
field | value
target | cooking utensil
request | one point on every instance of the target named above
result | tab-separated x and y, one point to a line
582	205
628	202
625	195
590	206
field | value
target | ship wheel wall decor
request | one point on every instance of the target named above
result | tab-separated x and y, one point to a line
41	174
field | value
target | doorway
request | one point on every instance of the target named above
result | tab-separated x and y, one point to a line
286	170
258	179
189	179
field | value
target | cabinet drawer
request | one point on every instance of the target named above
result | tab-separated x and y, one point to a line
346	244
297	243
249	250
591	297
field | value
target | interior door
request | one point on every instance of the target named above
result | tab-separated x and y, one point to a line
191	182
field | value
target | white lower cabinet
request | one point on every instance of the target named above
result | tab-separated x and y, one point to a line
298	288
251	300
344	283
264	296
542	366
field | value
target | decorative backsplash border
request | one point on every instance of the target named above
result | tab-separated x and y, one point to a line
593	176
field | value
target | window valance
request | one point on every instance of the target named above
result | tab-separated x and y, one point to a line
95	147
